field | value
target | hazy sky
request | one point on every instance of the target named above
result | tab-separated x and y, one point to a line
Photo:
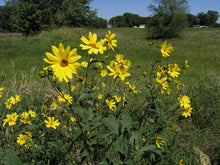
110	8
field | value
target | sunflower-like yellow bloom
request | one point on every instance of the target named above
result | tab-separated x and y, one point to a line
159	142
173	70
111	104
11	119
187	112
163	84
15	99
21	139
109	38
51	123
63	62
180	162
92	44
166	48
184	101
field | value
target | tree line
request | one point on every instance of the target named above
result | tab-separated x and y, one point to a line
32	16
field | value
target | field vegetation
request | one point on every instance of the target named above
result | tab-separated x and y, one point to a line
22	59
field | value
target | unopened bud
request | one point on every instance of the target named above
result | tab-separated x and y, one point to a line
49	69
42	73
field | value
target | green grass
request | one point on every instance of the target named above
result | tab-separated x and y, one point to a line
22	58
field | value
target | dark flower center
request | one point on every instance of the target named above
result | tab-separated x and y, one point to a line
64	63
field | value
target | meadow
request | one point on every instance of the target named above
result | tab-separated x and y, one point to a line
22	59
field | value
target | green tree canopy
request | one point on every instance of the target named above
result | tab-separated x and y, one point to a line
169	18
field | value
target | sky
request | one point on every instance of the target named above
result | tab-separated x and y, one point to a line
110	8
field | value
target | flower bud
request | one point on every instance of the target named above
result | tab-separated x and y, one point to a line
42	73
49	69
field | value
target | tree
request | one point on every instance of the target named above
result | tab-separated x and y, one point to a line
213	17
203	19
169	18
192	19
118	21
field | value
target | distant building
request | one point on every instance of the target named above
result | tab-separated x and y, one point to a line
142	26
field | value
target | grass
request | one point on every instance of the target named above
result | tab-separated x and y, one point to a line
22	58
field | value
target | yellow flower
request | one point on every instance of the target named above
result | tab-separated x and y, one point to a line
116	71
178	83
1	91
117	98
132	87
63	62
185	66
73	119
103	85
180	162
53	105
173	70
109	38
187	112
32	113
72	88
92	45
24	115
159	142
11	119
111	104
119	58
51	123
15	100
126	64
163	84
184	101
166	48
65	98
21	139
99	96
84	64
104	73
8	104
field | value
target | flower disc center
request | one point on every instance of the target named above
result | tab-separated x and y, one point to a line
64	63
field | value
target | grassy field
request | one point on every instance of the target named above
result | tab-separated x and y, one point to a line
22	58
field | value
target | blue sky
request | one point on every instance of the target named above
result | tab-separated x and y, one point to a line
110	8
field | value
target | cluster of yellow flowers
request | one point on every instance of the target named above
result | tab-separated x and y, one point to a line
12	101
22	139
166	74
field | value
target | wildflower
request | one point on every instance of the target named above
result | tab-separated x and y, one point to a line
119	58
104	73
159	142
1	91
184	101
187	112
65	98
51	123
126	64
117	98
178	83
11	119
103	85
99	96
63	62
90	132
163	84
99	65
15	100
84	64
53	105
116	71
180	162
185	66
111	104
92	45
24	115
73	119
173	70
109	38
21	139
8	104
166	48
32	113
72	88
132	87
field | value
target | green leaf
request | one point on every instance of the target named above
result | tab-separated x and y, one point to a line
126	121
112	124
77	134
103	162
11	159
83	96
102	134
79	111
